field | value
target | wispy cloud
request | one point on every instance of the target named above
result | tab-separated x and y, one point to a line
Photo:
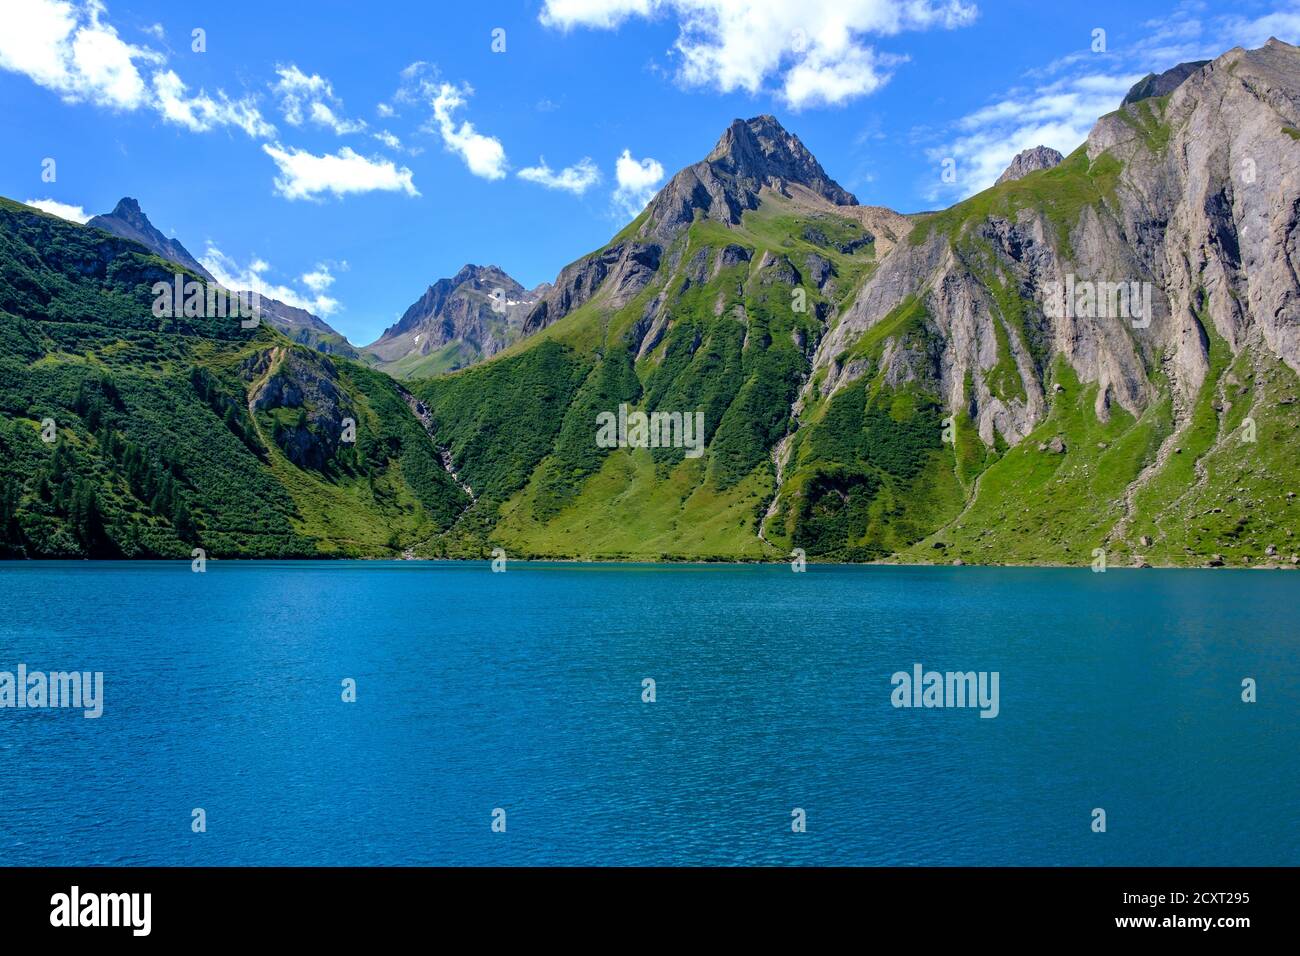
483	155
1059	115
305	175
201	112
421	85
310	98
576	179
254	277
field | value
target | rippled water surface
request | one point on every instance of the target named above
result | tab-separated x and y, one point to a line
523	691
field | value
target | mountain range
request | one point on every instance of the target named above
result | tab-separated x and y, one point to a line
1093	361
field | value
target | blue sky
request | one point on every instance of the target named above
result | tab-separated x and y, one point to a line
346	158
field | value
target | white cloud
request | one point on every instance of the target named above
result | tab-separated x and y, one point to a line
384	110
60	209
813	49
72	49
483	155
576	179
304	175
420	83
201	112
253	278
606	14
156	31
637	181
388	139
319	279
304	98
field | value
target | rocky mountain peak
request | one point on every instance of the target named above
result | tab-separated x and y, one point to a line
128	210
1030	161
751	155
1162	84
459	320
128	221
760	151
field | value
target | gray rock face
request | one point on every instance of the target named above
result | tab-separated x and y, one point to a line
1197	196
292	379
1164	84
129	221
750	156
480	308
1030	161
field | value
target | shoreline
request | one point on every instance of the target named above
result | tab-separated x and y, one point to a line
652	562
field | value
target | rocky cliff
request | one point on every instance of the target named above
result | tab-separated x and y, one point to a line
456	322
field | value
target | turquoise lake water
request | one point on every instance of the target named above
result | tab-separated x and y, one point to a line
523	691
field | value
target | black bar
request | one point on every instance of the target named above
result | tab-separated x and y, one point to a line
333	905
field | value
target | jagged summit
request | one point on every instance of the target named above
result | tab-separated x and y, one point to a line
750	155
128	221
1162	84
456	322
1030	161
761	151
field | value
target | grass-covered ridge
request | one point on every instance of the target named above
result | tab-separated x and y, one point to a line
162	442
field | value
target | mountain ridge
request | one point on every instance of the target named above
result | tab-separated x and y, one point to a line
871	386
128	221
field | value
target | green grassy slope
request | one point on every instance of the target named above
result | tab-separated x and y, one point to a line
158	448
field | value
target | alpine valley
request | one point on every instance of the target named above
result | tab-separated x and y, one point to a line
875	386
